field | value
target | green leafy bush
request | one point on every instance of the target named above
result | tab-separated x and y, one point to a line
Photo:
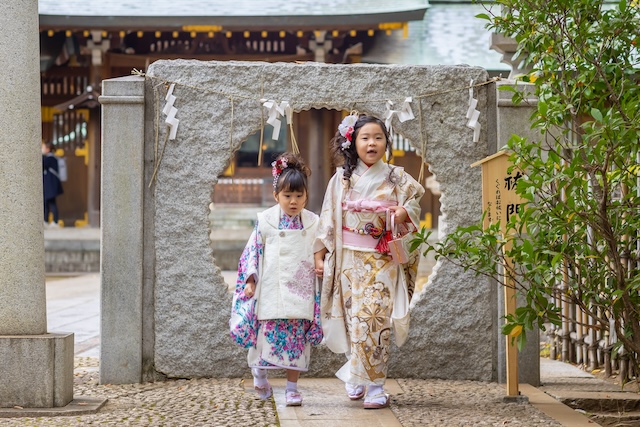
578	231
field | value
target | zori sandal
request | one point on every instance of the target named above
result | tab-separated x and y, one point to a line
264	392
355	392
293	398
376	401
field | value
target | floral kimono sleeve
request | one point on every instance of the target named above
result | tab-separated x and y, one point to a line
314	333
326	236
250	259
243	324
410	193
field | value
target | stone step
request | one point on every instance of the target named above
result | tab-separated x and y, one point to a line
225	217
609	419
599	401
71	250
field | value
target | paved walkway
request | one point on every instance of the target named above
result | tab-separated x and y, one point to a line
73	306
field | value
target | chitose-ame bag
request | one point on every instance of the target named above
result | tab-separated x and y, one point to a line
400	243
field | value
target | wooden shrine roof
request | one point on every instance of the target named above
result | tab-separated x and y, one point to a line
238	15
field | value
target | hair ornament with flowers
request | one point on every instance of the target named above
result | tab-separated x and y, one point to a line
346	129
276	169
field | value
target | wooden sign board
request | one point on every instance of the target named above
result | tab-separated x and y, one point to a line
499	198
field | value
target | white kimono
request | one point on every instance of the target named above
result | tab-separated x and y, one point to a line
360	281
286	270
279	254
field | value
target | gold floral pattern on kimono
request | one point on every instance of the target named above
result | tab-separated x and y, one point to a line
359	283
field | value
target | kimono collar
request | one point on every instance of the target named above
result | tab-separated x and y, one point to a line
291	218
273	214
362	167
365	181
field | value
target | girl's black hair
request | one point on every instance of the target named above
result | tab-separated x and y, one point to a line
294	176
348	157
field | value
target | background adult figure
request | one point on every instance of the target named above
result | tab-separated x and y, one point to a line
51	183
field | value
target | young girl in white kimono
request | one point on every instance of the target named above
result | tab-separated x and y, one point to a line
360	278
276	312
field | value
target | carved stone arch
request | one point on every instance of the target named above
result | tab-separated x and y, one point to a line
453	331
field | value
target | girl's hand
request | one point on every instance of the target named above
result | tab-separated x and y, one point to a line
400	214
250	289
318	258
319	267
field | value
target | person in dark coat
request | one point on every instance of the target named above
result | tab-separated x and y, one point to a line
51	183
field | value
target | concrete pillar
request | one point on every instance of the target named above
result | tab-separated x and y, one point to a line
121	255
36	368
22	291
510	119
93	204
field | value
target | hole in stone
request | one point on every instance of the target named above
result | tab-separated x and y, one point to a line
405	155
430	204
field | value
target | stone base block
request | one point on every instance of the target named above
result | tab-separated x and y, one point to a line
80	406
36	370
516	399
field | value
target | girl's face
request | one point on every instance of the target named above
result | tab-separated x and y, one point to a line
370	143
291	202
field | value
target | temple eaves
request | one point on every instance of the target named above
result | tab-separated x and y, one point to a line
240	15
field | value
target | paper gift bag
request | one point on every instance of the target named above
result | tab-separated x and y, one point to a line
399	244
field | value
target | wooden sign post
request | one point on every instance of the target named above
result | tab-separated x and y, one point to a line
500	202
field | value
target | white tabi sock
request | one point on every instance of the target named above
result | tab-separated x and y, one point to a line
291	386
375	394
259	377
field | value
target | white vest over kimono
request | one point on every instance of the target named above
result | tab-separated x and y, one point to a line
286	288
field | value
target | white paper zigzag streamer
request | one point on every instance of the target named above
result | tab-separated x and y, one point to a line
404	113
171	112
275	111
473	115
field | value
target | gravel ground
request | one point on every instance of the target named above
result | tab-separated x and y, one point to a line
224	402
197	402
461	403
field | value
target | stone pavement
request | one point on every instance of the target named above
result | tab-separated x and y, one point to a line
72	305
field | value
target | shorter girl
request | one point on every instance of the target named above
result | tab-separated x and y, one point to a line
276	312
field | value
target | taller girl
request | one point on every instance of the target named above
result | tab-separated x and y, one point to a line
360	278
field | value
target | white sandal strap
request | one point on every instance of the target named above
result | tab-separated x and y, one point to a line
372	398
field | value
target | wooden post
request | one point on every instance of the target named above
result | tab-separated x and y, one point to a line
500	202
510	308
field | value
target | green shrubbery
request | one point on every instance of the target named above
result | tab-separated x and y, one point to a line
579	228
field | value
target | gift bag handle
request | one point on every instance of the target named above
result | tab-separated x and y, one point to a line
394	229
392	226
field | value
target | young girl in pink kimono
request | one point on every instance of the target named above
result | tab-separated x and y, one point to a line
276	312
360	279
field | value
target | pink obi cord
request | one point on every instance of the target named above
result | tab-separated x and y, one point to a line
367	205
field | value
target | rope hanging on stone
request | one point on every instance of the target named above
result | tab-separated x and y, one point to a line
283	111
260	154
